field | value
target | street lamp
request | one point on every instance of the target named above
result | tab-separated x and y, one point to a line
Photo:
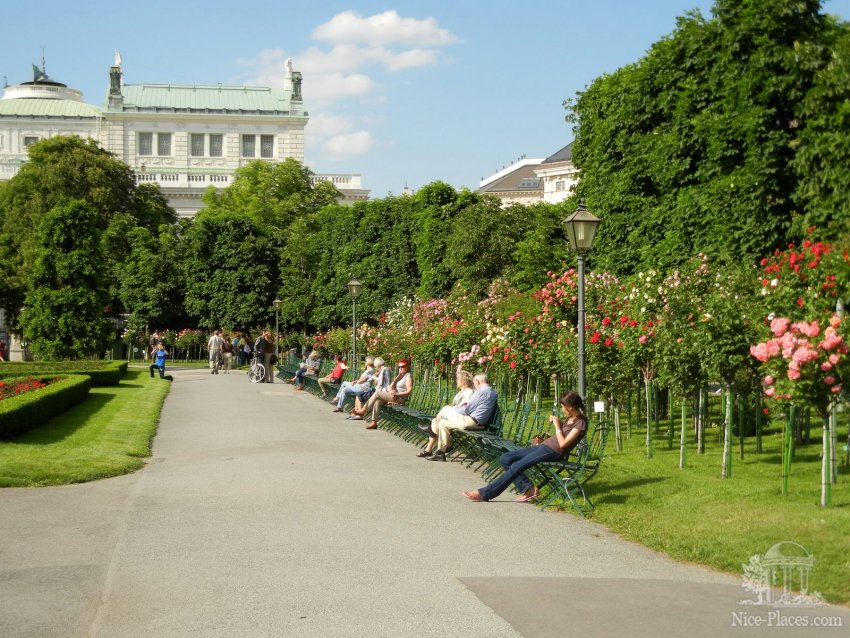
581	229
354	290
276	303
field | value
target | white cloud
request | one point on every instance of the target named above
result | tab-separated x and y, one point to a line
347	145
352	51
382	28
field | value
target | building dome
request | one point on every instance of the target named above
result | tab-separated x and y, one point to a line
41	87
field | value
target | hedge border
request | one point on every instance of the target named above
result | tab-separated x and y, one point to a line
32	409
101	373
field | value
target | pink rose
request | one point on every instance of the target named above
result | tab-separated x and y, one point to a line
768	380
836	389
834	321
779	326
826	366
793	374
642	339
830	380
759	352
769	392
833	359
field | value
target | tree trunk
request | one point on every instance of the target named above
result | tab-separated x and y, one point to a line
703	398
647	384
726	467
826	464
618	434
682	438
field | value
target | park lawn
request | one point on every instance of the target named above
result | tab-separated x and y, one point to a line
695	515
108	434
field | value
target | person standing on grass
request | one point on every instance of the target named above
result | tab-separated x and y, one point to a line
158	355
214	348
568	432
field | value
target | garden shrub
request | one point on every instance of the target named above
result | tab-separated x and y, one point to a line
101	373
32	409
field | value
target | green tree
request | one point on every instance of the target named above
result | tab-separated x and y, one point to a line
272	195
231	270
482	243
59	170
151	281
689	149
64	315
824	147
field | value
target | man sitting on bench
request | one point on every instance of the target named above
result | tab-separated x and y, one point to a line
474	415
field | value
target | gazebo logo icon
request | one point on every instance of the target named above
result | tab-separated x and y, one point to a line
780	577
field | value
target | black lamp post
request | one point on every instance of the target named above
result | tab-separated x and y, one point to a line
354	290
276	303
581	229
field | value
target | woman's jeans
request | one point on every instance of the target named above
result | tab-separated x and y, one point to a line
349	388
515	463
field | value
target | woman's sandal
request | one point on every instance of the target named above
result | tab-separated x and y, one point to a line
529	498
372	426
425	454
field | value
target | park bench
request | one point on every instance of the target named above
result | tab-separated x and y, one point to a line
566	478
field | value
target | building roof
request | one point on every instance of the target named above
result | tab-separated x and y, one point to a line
47	108
563	155
518	177
233	100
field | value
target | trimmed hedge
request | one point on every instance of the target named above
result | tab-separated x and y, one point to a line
101	373
32	409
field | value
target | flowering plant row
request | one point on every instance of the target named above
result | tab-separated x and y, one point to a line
772	325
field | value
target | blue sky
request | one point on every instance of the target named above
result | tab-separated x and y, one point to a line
404	93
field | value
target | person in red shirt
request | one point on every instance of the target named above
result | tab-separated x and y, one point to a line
335	376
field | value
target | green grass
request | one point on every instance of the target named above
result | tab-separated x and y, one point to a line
108	434
695	515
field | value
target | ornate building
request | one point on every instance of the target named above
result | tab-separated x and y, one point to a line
183	137
528	181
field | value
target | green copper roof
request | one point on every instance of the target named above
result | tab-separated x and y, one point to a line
233	100
47	108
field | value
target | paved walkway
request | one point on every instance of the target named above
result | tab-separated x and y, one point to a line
261	513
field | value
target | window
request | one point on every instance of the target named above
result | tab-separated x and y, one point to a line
249	143
216	145
266	145
560	185
529	182
145	143
197	144
30	140
163	144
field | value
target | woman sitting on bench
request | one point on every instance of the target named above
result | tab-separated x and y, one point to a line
397	394
568	432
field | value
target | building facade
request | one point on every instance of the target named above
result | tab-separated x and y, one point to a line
185	138
528	181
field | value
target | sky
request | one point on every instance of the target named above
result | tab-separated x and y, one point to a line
404	92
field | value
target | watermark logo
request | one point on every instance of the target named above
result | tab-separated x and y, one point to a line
780	577
779	582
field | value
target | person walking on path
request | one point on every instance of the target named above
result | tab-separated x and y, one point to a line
227	354
264	350
214	347
568	432
158	355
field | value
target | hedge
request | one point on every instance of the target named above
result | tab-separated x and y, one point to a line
32	409
101	373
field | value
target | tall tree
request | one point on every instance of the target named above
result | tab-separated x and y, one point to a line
689	149
231	270
64	308
272	194
58	170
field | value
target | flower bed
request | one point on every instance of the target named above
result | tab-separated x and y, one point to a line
16	387
42	399
101	373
